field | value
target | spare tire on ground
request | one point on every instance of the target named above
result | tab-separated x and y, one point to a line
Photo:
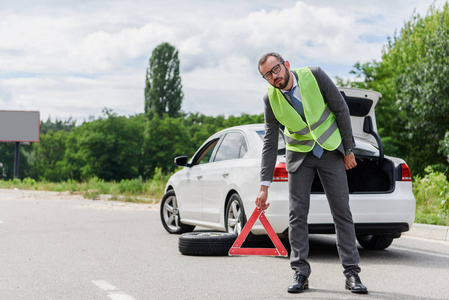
206	243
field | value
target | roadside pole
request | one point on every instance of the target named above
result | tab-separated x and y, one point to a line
17	160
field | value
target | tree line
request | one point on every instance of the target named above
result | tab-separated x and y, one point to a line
412	116
114	147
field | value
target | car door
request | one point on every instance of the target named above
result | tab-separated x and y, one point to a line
189	191
215	180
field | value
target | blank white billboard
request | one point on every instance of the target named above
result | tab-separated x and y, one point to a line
19	126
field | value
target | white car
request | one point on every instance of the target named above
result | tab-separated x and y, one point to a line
218	186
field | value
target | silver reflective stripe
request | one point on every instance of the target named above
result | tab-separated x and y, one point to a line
292	141
326	113
303	131
327	134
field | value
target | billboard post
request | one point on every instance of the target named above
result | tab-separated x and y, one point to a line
17	160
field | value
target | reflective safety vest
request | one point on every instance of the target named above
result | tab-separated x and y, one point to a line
319	126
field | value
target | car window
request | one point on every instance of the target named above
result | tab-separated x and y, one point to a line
205	153
233	146
281	141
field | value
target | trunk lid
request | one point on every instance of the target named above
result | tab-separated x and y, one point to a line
361	104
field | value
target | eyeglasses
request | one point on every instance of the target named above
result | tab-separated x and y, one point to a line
276	69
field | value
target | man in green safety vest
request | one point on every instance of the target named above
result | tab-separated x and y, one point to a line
318	135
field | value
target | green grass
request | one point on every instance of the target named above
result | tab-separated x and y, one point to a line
127	190
432	198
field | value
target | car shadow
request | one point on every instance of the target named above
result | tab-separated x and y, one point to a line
323	247
372	294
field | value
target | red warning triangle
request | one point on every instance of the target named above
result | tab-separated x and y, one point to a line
279	249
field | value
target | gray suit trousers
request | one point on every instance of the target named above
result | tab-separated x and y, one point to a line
331	170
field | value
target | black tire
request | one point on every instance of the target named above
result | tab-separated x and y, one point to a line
170	215
375	242
206	243
235	218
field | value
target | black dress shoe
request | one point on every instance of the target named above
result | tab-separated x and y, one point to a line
299	284
354	284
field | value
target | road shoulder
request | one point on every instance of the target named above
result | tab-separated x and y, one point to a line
434	232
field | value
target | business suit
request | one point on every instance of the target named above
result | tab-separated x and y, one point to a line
302	167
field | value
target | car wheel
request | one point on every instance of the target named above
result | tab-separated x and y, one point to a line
235	218
206	243
170	215
374	242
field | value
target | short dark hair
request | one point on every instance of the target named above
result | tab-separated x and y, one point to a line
264	58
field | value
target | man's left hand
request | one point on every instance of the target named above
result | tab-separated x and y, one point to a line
350	161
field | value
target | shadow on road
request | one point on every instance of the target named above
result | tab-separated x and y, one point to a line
323	248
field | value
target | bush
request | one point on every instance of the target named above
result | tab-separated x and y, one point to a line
444	207
95	187
29	182
133	186
432	198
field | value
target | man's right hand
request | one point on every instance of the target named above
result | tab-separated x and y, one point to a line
261	200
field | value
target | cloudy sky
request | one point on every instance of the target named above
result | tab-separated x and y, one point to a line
73	58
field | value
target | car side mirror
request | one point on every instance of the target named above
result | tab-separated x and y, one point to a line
182	161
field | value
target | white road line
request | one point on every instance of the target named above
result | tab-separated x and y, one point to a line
113	292
1	222
421	252
104	285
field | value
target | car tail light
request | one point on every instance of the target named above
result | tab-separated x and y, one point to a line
280	173
405	173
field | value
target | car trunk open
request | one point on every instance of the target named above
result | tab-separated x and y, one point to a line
370	176
374	173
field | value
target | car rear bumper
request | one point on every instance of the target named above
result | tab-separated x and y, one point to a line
387	213
363	228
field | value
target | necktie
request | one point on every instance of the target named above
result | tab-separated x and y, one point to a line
297	104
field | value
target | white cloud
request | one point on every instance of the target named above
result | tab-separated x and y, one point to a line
74	58
304	31
102	51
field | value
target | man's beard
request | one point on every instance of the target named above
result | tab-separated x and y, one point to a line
283	85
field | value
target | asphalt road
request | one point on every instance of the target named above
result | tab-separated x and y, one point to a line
58	247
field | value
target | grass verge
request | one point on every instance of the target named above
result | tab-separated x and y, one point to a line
127	190
432	198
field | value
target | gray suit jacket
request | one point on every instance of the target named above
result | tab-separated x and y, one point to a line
336	103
